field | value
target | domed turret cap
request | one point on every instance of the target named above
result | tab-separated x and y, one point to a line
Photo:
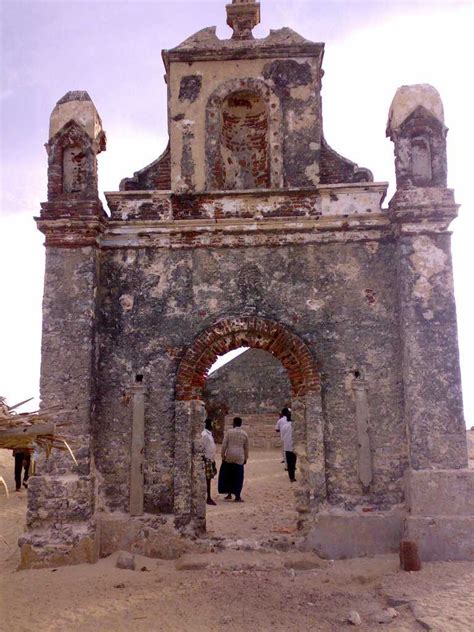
408	98
78	106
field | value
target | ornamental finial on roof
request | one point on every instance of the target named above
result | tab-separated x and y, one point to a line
242	17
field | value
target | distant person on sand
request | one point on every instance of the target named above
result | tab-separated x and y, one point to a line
283	418
235	452
22	463
286	433
208	457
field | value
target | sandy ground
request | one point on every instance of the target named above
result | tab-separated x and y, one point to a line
235	590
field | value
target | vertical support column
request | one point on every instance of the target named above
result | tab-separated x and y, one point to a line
189	483
430	362
315	450
61	501
359	388
421	211
137	450
198	491
308	433
182	464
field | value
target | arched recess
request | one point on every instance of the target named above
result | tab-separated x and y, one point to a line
267	114
303	374
72	162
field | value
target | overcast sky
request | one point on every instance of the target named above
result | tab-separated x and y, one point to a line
113	50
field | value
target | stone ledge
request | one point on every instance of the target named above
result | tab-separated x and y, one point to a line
440	492
442	538
330	200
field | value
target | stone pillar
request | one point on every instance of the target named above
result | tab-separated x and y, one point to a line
182	463
359	388
439	518
137	450
189	482
61	500
308	435
421	211
430	363
198	415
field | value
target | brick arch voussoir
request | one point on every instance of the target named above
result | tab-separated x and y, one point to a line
259	333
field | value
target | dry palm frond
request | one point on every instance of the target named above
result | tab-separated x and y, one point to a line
2	481
28	430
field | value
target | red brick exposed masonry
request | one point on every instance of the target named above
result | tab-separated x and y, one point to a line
254	332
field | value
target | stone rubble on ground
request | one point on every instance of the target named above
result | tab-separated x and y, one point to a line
386	616
354	618
125	561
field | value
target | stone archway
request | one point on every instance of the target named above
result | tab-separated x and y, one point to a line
295	356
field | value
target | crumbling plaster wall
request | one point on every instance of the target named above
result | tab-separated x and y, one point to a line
339	298
294	85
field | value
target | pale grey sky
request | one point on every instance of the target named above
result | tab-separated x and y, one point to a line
113	50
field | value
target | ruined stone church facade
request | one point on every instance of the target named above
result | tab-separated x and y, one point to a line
250	230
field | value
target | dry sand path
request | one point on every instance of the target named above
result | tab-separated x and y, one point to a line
268	508
234	590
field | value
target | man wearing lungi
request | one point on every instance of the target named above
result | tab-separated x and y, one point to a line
235	452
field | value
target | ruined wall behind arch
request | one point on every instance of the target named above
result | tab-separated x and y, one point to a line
338	298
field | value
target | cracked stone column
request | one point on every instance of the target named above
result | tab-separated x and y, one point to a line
359	388
308	435
137	450
189	481
421	211
61	500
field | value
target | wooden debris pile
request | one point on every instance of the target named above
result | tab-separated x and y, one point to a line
31	430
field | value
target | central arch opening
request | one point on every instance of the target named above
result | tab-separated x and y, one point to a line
294	359
254	386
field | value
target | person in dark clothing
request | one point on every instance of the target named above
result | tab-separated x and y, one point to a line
22	462
235	452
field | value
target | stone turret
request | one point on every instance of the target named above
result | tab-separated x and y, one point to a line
416	127
75	138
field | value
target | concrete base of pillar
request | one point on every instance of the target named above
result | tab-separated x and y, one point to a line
440	492
442	538
340	535
150	535
79	547
440	513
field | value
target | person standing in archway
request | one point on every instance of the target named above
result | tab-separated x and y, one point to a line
286	434
281	420
235	453
209	455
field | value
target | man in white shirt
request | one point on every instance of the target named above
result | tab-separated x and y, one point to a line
286	434
209	455
277	429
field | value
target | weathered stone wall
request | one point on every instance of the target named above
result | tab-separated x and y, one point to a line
338	298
